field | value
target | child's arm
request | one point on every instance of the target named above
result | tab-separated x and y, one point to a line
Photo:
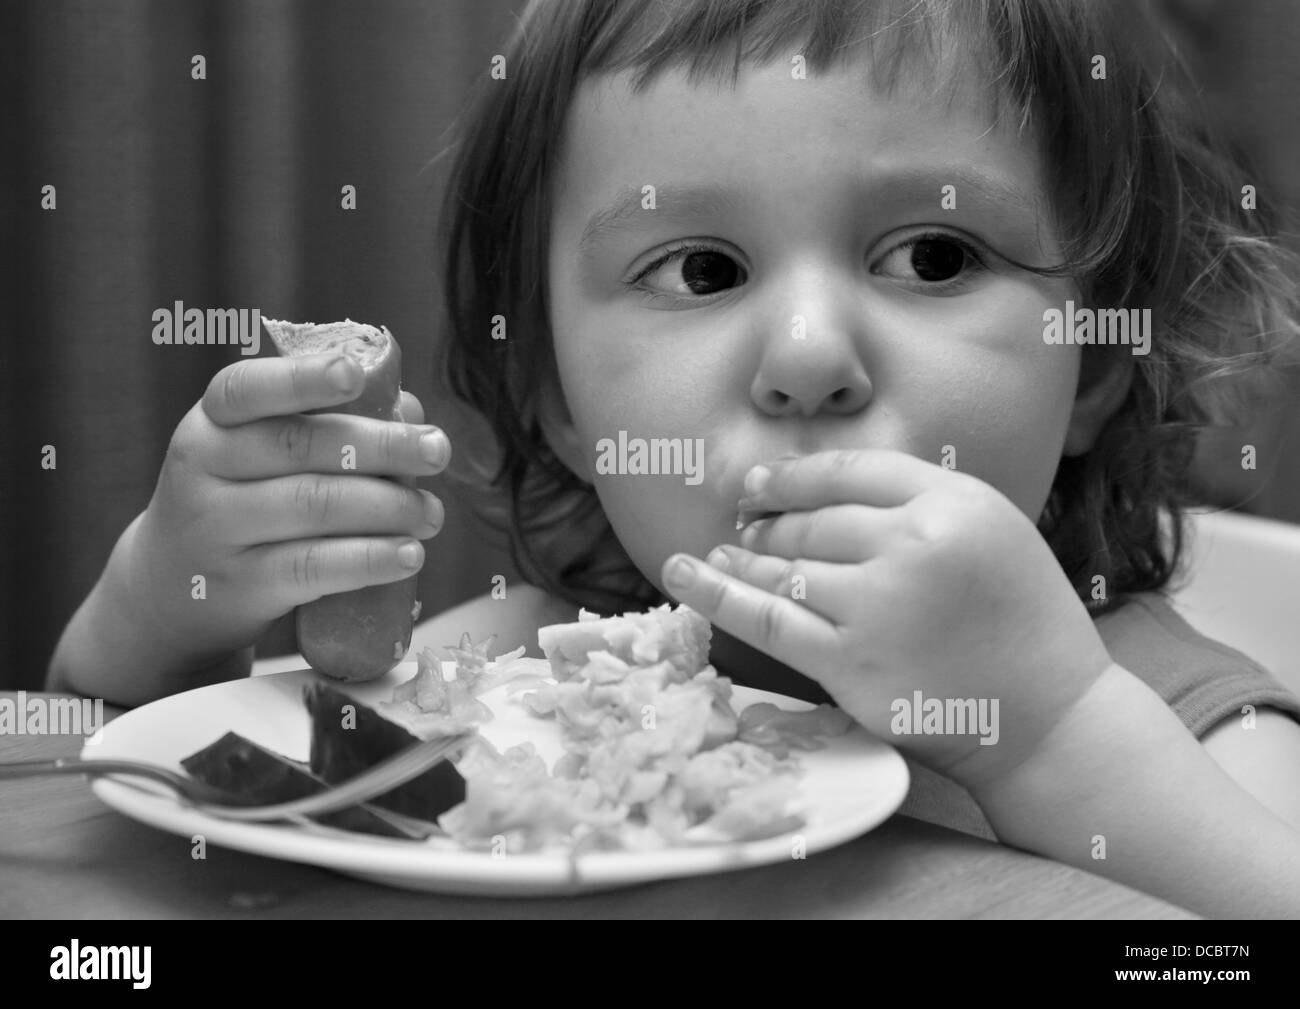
110	647
883	576
1263	758
1122	777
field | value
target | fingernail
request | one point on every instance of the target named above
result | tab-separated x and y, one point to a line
681	574
718	559
434	448
410	554
433	511
343	375
756	480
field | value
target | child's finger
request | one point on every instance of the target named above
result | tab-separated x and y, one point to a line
844	534
863	476
778	626
309	505
412	408
328	443
827	589
304	570
274	386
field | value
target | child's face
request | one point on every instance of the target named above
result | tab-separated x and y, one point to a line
806	322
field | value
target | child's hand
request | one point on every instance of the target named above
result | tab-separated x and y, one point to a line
888	575
272	509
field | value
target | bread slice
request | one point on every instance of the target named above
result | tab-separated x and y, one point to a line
362	342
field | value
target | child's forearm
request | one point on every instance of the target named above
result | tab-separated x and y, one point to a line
1121	777
111	650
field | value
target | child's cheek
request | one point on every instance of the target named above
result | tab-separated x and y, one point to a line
1016	446
654	517
988	397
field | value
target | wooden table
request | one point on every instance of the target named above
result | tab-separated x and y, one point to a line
64	854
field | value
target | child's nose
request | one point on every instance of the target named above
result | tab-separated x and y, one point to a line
812	359
808	395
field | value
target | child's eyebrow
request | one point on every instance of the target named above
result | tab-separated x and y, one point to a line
679	203
974	189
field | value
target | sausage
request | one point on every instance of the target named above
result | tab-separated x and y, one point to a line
362	634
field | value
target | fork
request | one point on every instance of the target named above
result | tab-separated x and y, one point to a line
383	777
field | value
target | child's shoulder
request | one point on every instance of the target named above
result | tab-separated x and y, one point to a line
513	617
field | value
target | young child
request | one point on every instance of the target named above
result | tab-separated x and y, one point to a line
842	254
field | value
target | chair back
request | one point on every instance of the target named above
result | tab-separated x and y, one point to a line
1240	585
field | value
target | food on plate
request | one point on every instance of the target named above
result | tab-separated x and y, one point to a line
779	731
680	637
348	737
654	754
362	634
429	704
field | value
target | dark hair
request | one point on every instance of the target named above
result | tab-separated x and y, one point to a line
1146	201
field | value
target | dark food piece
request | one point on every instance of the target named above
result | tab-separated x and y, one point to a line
261	777
345	742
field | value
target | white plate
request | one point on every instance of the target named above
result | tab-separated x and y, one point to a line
849	787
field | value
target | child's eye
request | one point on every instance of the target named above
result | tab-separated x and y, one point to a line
689	271
936	260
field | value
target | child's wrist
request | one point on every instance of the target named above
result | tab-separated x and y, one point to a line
1101	739
106	652
115	648
125	598
121	595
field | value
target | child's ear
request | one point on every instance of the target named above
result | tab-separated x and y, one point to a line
557	424
1104	382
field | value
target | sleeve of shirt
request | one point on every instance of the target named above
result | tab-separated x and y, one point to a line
1202	680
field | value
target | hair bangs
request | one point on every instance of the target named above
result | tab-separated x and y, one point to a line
937	43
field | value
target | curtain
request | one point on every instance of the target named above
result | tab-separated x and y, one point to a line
1243	56
220	192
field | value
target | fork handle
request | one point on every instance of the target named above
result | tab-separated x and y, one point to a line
33	768
64	765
